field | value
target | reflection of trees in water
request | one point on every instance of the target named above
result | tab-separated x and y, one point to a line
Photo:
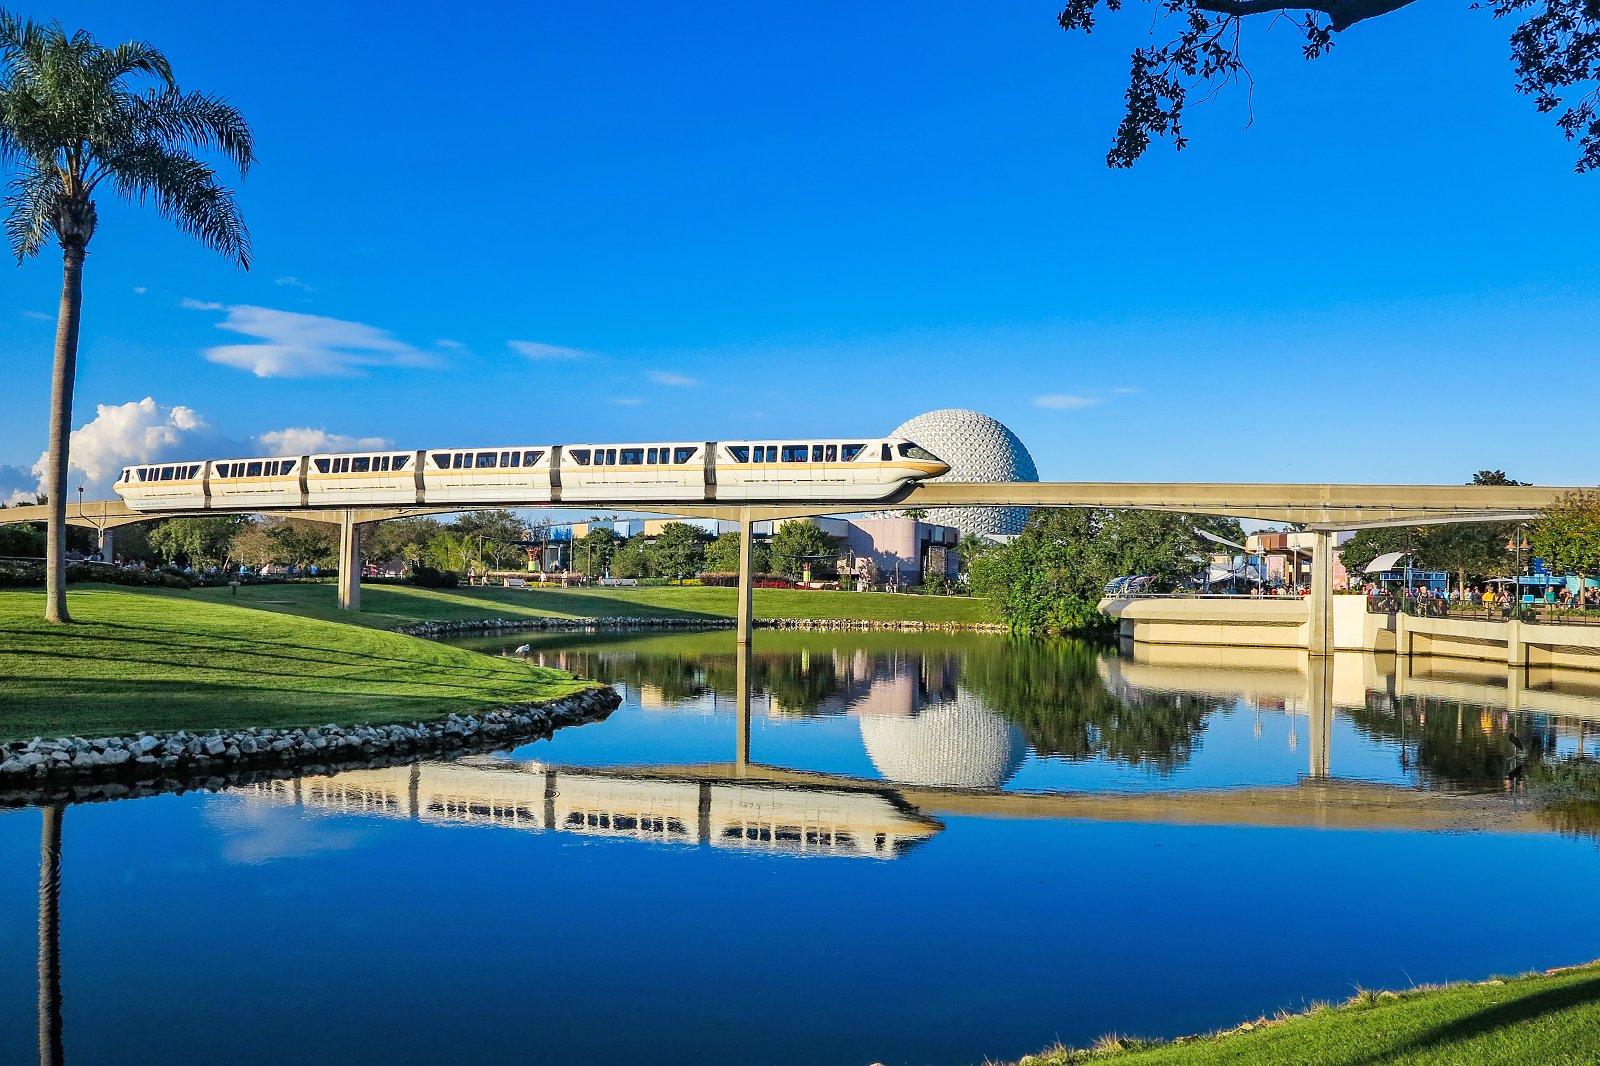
1450	742
1053	691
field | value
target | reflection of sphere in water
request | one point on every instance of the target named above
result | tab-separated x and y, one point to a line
978	449
959	743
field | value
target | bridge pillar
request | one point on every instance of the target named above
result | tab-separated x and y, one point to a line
104	546
742	701
1319	705
746	578
1319	642
1516	646
349	561
1404	639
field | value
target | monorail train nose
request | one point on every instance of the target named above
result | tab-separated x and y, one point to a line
935	466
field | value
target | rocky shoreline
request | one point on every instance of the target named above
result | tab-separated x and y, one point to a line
73	769
497	625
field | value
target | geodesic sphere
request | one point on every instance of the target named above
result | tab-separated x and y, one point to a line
957	743
978	449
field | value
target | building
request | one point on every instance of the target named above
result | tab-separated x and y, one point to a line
978	448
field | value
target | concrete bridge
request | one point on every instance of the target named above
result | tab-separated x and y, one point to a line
1323	509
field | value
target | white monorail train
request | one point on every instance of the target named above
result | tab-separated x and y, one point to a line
860	469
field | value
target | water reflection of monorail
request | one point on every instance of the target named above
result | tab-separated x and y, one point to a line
525	796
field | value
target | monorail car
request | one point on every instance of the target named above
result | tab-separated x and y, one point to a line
729	471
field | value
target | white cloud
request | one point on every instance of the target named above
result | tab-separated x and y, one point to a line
626	401
446	342
663	377
535	350
140	289
1063	402
139	431
303	440
294	345
293	282
189	303
1126	390
37	316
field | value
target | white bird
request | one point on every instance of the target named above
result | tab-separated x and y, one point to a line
526	649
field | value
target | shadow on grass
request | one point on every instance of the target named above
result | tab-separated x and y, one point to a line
1518	1011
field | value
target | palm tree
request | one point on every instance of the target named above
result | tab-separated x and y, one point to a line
74	120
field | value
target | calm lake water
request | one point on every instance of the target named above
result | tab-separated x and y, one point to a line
915	849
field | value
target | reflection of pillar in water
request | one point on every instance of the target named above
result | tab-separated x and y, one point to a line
412	789
50	1053
1319	704
741	684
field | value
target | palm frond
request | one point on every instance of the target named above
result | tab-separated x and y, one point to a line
30	207
132	57
186	191
201	120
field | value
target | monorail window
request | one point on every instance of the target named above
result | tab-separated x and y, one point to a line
400	462
441	460
509	459
740	453
849	451
486	460
816	453
579	455
796	453
884	453
530	458
166	473
633	456
252	470
322	464
830	454
651	458
360	464
911	451
611	457
682	455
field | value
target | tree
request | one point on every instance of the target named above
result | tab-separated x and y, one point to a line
800	543
73	121
678	551
594	549
722	555
916	514
400	538
1050	578
1555	54
305	544
1567	534
1475	549
495	535
633	559
254	545
201	542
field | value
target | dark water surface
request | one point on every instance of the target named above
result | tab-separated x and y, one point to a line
933	849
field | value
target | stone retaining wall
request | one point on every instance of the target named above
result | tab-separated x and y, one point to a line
496	625
165	762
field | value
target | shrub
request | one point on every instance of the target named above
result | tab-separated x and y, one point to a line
429	578
718	579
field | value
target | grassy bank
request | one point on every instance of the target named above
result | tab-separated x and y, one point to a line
387	606
1531	1021
159	661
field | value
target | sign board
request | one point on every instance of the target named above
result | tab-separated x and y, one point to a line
1539	566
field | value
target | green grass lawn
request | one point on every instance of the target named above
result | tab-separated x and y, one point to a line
388	606
141	660
1537	1020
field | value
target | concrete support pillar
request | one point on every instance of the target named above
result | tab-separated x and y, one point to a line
1319	642
746	577
742	700
1319	704
1516	647
1404	640
105	545
349	562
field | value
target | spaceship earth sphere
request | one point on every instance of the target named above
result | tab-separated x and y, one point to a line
978	449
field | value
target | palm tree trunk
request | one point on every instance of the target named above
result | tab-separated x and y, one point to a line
50	1044
61	381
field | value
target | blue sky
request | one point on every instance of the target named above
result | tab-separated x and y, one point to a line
619	222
